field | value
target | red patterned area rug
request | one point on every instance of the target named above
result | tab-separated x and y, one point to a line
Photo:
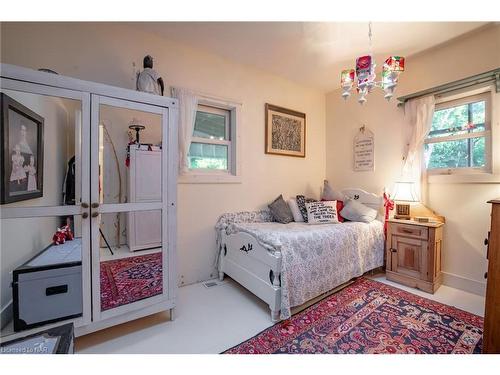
131	279
371	317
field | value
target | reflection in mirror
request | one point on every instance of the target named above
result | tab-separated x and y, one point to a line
41	153
41	258
132	269
129	155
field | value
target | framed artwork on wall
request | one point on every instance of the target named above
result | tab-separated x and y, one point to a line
21	169
285	131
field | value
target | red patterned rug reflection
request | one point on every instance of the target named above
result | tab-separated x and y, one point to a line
371	317
130	279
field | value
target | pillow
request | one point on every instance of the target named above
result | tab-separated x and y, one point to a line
356	211
294	207
324	212
331	195
280	211
340	205
301	202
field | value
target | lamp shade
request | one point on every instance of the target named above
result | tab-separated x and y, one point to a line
347	77
395	63
404	191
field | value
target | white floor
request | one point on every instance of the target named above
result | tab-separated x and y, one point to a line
211	320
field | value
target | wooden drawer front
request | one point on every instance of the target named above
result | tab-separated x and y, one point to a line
410	231
409	257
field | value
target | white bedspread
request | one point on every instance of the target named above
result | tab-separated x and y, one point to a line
317	258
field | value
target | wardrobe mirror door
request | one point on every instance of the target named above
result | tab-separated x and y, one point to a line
129	155
41	270
41	150
131	260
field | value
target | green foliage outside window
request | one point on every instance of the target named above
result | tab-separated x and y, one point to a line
462	153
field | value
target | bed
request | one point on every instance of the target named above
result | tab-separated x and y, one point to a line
287	265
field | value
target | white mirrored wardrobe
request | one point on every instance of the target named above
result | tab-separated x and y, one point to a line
72	212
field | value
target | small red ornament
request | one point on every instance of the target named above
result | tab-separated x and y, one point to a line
62	235
389	206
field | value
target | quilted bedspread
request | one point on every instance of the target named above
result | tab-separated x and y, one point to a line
316	258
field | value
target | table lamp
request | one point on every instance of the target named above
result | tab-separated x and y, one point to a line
404	193
137	126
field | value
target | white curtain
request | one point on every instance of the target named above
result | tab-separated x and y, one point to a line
418	121
188	104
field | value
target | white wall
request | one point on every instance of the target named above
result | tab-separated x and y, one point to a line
463	205
21	239
105	53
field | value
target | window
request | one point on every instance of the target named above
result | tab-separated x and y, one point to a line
214	154
211	143
459	139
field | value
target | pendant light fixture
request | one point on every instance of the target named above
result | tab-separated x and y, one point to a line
363	78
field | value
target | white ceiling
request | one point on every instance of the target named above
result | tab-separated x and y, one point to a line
311	53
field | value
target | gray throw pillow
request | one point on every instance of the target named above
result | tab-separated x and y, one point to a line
329	194
356	211
281	211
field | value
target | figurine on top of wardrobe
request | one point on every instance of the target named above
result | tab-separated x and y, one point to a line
149	80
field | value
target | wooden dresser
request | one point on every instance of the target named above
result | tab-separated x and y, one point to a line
413	253
491	340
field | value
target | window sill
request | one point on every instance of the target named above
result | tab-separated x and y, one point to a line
474	178
208	178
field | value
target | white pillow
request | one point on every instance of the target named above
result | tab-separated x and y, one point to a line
324	212
294	207
356	211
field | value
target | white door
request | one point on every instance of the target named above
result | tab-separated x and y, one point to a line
124	281
45	135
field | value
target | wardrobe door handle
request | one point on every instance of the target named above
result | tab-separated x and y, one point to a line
95	205
85	215
95	214
85	205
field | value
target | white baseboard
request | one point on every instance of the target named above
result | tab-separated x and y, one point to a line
463	283
6	314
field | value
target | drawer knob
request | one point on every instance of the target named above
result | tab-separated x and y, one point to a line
95	214
85	215
393	250
485	242
486	275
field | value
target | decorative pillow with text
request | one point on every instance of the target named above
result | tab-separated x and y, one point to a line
324	212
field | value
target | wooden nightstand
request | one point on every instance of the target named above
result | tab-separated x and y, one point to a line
413	253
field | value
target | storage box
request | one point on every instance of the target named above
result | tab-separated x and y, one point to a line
48	287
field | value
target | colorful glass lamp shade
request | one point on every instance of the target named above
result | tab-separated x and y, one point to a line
404	193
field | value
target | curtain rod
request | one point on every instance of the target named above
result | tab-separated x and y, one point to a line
490	76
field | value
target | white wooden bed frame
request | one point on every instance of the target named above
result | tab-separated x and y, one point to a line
257	269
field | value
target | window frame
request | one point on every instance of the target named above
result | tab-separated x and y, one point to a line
232	111
454	101
209	141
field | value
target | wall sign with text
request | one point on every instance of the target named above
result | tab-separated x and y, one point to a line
364	150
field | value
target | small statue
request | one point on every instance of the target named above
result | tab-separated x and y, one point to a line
148	80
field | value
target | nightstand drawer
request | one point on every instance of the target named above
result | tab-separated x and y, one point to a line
414	231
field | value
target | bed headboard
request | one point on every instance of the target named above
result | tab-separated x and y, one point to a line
371	200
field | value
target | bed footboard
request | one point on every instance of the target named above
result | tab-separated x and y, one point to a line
246	261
